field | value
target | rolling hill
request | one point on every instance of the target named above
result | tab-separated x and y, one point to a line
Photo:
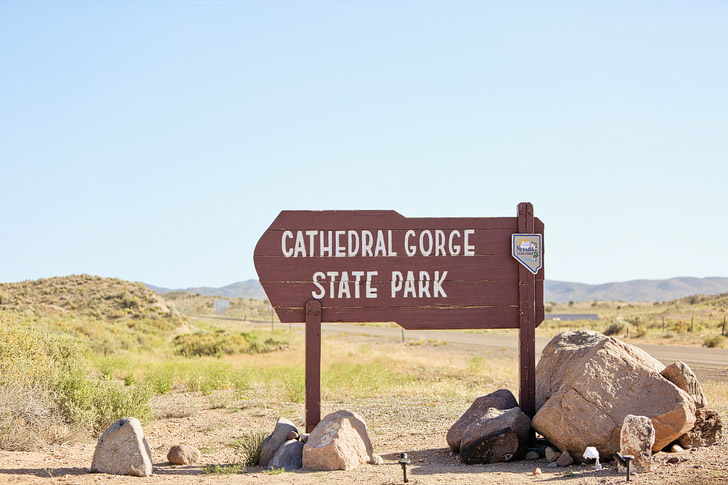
555	291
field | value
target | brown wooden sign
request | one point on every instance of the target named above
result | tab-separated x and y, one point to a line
423	273
378	266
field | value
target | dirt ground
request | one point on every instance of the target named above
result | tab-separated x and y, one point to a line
412	425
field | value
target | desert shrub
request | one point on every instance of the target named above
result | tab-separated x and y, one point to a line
614	328
713	341
248	445
640	331
217	344
161	378
45	376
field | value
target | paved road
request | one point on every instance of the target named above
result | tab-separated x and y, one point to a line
707	363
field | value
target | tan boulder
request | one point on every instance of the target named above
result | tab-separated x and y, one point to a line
683	377
561	356
708	429
183	455
601	388
637	438
339	442
123	450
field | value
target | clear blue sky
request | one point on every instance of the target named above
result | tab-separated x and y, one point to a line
156	141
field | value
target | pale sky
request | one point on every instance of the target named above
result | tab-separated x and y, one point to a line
157	141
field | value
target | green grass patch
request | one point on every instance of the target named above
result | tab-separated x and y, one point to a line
226	469
248	445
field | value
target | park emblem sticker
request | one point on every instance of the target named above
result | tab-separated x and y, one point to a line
527	250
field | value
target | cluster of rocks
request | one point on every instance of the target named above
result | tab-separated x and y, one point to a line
591	391
339	442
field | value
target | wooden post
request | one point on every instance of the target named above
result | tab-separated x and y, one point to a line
313	364
691	324
527	326
723	331
663	325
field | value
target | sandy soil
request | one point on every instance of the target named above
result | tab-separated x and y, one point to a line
414	425
418	428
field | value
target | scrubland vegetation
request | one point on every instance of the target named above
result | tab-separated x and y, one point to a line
693	320
78	353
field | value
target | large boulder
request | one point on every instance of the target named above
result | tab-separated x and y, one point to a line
708	429
599	389
339	442
683	377
289	456
636	438
274	441
123	450
501	399
562	355
496	436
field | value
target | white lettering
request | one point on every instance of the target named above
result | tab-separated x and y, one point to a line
371	292
311	237
454	249
300	247
332	275
353	236
396	283
440	243
317	276
367	239
469	249
340	250
286	252
381	249
422	243
389	244
357	275
437	284
344	285
424	284
409	284
323	249
409	249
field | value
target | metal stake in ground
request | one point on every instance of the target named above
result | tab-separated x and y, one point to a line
404	461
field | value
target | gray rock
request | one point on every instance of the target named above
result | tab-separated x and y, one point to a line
552	454
675	448
552	465
289	456
377	460
497	436
708	429
637	438
610	381
501	399
532	455
123	450
183	455
683	377
303	437
565	459
275	440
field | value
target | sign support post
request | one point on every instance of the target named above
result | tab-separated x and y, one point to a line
527	319
313	364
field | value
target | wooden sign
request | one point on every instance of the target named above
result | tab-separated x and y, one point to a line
423	273
379	266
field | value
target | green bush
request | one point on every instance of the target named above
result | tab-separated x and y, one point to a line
200	344
614	328
713	341
48	374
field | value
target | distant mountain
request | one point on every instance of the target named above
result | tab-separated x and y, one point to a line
556	291
637	290
241	289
